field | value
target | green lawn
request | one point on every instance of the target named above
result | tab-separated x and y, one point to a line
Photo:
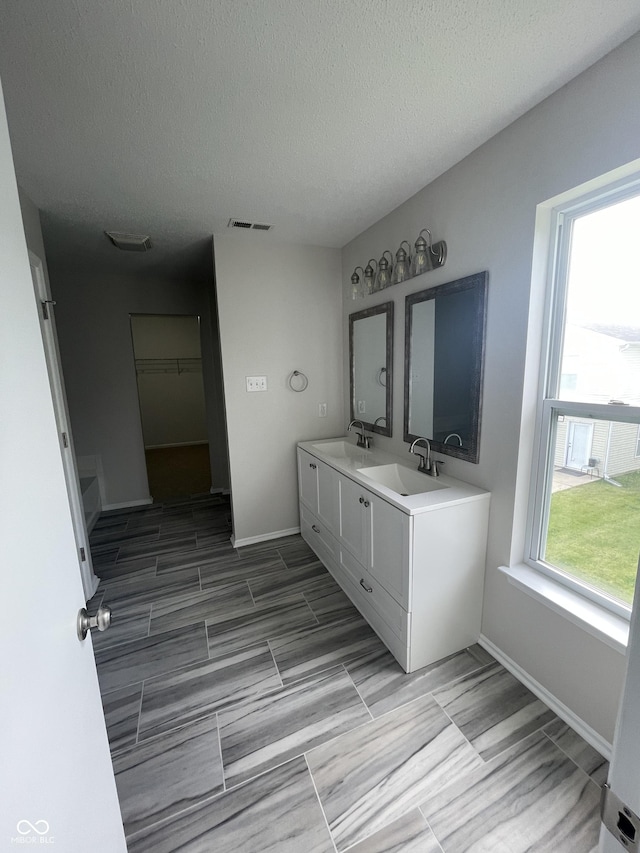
594	533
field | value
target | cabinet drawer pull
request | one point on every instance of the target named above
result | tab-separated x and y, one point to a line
311	465
315	529
366	503
364	586
361	499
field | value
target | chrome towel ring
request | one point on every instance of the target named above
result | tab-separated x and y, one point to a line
298	381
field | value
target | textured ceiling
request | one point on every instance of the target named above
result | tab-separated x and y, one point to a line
168	117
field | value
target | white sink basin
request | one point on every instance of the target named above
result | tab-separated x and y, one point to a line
341	450
404	481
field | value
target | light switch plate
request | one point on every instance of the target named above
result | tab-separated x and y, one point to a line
256	383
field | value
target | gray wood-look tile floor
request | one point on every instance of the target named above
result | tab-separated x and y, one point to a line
249	707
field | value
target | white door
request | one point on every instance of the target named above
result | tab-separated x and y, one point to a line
579	441
46	315
56	778
624	773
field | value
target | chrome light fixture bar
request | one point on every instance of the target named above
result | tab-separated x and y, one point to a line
386	272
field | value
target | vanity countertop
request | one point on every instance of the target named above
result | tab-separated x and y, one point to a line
440	492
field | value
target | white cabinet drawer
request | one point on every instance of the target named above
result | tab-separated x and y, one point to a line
399	647
317	535
374	594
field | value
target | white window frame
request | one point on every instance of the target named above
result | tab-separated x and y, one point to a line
550	405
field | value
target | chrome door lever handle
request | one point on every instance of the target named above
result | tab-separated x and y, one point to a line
101	620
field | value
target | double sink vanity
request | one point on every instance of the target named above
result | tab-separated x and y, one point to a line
408	549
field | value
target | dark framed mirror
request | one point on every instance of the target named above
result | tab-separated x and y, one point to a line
371	367
444	362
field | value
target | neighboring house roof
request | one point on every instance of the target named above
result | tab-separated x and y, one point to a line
628	334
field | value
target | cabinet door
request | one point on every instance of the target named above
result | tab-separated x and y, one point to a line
328	497
352	517
308	480
388	538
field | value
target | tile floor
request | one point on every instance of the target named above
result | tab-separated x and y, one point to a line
251	708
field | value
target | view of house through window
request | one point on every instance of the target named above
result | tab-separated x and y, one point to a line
589	526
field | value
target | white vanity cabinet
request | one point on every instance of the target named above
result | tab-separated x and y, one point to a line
317	487
318	490
412	565
377	534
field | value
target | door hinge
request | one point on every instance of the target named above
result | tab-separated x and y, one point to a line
620	820
65	440
83	555
45	310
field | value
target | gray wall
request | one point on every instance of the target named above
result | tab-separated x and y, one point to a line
92	313
485	208
279	309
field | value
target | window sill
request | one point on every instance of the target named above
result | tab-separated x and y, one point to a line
595	620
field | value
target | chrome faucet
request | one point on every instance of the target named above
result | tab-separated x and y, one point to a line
453	435
363	439
425	460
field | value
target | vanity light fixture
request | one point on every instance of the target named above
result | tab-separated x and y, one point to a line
428	256
356	285
402	268
385	268
377	276
369	277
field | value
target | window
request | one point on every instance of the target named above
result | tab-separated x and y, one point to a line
585	520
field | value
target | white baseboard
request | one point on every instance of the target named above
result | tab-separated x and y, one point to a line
174	444
265	537
577	723
127	504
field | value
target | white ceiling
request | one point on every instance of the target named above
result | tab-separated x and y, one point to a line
168	117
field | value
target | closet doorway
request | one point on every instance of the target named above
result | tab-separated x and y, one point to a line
168	360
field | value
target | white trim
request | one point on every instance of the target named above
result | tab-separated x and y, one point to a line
556	218
174	444
55	375
570	718
265	537
127	504
606	626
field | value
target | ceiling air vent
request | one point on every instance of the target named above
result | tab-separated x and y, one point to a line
242	223
130	242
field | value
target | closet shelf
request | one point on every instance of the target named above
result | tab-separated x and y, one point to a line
168	365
